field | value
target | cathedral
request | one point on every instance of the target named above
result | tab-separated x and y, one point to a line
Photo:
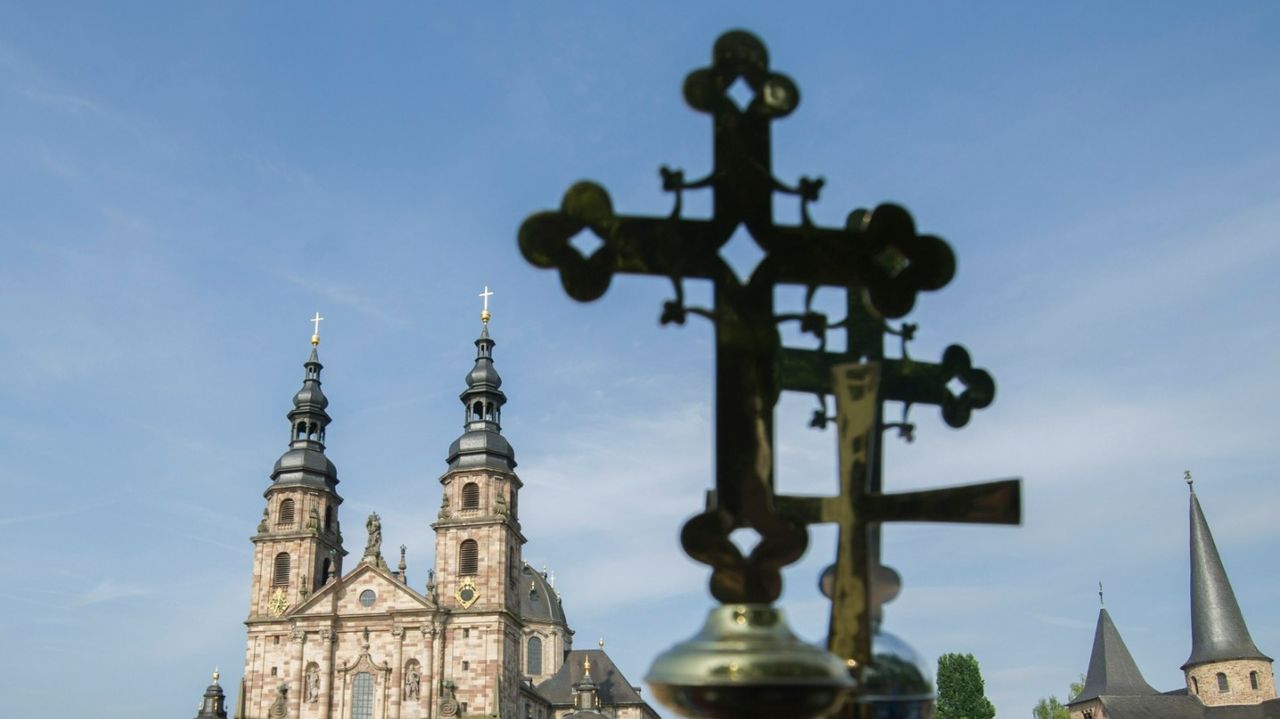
486	636
1227	677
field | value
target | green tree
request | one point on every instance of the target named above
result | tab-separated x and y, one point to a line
961	694
1050	708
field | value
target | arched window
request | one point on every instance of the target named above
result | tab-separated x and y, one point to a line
325	569
1253	680
470	496
477	411
362	696
280	576
302	431
286	512
328	518
533	662
1222	682
468	557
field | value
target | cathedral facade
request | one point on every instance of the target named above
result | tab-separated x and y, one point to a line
485	636
1226	675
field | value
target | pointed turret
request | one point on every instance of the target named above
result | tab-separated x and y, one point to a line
1218	631
1112	671
482	445
213	706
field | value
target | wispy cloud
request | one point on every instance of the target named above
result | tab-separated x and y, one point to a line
1061	621
109	590
37	516
345	295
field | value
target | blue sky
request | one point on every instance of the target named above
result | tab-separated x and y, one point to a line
182	186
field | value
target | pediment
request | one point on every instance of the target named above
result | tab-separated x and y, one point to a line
342	597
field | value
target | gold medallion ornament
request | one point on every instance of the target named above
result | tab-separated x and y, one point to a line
467	593
277	604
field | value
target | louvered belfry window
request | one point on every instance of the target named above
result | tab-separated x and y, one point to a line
469	557
470	496
286	512
280	576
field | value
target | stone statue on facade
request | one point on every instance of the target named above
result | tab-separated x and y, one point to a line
262	526
374	547
412	682
313	520
444	507
312	686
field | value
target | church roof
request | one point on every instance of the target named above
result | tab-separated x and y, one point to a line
538	599
611	686
1183	706
1218	631
1112	671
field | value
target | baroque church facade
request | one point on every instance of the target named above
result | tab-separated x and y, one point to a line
486	636
1227	676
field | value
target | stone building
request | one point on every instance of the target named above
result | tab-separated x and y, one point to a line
1227	677
486	636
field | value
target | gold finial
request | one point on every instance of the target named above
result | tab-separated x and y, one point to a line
315	333
215	675
586	665
484	314
1186	474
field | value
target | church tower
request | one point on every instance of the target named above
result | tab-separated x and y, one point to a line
298	545
1225	666
478	546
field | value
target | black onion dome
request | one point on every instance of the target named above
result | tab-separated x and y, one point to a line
538	599
482	445
304	464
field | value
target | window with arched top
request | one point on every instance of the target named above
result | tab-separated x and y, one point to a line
477	411
533	660
280	573
301	432
362	696
1253	680
1222	682
285	515
469	557
470	496
328	519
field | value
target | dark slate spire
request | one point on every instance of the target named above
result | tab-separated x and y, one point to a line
214	704
305	463
1112	671
1218	631
482	444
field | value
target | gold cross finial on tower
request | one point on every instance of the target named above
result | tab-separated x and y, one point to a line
315	333
215	675
484	314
